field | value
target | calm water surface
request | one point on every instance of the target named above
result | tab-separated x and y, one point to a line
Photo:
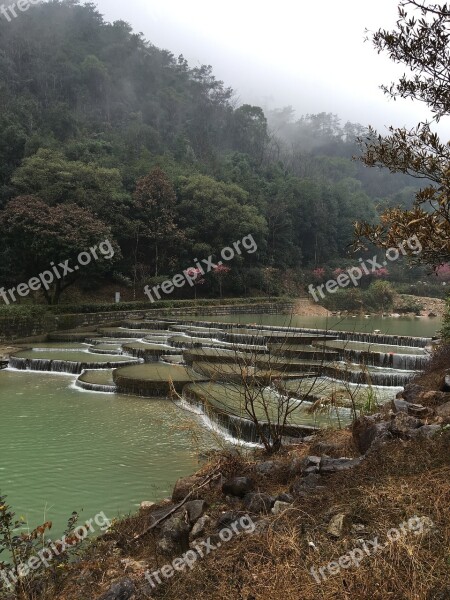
411	326
62	449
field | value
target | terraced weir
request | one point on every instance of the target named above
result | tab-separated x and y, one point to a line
209	368
103	419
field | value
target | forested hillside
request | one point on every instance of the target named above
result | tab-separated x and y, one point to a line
101	128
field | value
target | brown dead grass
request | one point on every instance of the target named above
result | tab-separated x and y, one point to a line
433	377
402	480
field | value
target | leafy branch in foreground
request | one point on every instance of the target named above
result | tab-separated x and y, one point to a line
422	43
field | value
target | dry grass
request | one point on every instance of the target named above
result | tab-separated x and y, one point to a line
401	481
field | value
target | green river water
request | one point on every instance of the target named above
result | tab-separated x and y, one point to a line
64	449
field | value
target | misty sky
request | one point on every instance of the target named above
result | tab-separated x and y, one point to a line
310	55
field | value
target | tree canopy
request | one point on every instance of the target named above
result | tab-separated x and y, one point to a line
420	42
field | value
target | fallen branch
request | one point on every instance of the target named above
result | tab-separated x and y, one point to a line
211	477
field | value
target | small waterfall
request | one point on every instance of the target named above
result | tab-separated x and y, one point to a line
238	427
351	336
410	362
62	366
381	378
96	387
246	338
95	350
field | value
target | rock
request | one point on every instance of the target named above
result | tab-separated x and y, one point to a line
227	518
295	467
443	411
137	567
199	528
433	398
194	510
184	485
261	527
402	424
367	429
122	590
311	464
258	502
399	405
446	384
305	485
311	480
174	536
268	467
427	431
333	465
280	507
336	525
146	506
417	410
237	486
285	498
412	392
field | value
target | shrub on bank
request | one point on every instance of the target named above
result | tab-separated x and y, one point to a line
379	297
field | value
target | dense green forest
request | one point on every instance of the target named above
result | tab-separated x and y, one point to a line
114	138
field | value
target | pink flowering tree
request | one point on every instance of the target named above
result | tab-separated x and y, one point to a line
220	272
197	278
382	272
319	273
443	272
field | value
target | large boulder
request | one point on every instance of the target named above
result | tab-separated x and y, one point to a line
185	485
443	411
122	590
368	429
227	518
194	510
258	502
402	424
433	398
200	527
412	392
311	464
237	486
427	431
269	468
334	465
174	535
415	410
305	485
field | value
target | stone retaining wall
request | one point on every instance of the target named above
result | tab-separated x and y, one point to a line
16	328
